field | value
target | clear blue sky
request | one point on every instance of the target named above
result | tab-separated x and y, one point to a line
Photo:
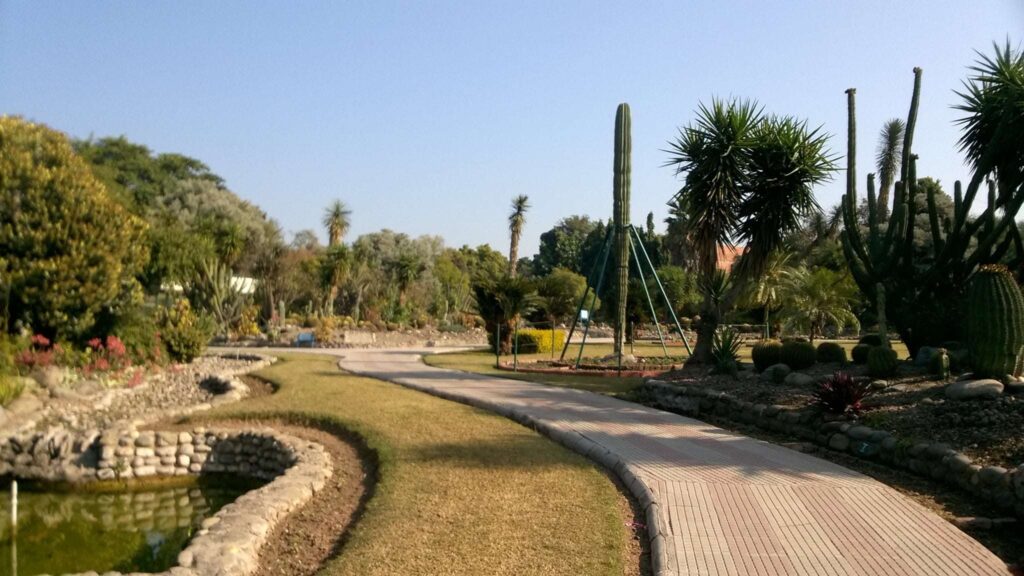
428	117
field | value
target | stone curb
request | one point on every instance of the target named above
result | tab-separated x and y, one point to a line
628	474
937	461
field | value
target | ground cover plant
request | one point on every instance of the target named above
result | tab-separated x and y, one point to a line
459	489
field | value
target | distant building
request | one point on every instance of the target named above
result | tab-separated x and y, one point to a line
728	254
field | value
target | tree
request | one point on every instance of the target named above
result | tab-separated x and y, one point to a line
559	294
747	177
336	221
70	252
887	160
516	220
500	301
561	247
677	240
814	301
767	289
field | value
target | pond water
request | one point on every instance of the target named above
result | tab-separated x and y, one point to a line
128	531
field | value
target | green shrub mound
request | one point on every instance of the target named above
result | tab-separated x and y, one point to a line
995	323
184	333
882	361
870	340
798	355
539	341
766	353
829	352
860	353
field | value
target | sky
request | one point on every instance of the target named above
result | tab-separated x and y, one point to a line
429	117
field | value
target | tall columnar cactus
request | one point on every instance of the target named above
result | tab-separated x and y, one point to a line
995	323
923	299
622	169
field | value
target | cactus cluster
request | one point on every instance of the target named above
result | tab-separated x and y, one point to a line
882	361
621	186
766	353
798	355
924	299
831	352
995	323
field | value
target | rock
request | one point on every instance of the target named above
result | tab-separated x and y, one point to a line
878	385
25	404
799	379
974	389
775	373
839	442
925	355
50	376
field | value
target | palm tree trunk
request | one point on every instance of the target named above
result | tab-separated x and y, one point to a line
705	332
513	254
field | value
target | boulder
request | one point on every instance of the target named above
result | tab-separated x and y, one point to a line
974	389
775	373
924	356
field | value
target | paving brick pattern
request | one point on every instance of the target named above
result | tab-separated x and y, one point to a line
718	503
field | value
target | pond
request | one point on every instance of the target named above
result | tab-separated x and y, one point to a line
128	530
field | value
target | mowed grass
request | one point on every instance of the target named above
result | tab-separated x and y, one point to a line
460	491
482	362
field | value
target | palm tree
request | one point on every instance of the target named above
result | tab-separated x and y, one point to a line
500	302
993	103
748	177
816	300
516	220
887	159
767	289
336	221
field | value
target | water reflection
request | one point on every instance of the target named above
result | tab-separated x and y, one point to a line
128	531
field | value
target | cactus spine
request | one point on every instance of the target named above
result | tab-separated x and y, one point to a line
620	186
995	323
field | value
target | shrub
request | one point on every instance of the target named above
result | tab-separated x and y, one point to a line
141	337
725	351
70	252
995	323
841	394
539	341
10	389
765	353
882	361
860	353
870	340
798	355
248	325
324	331
831	352
185	333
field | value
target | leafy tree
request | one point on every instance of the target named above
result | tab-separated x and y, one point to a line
516	220
677	240
887	160
559	294
562	246
680	287
70	252
500	301
747	177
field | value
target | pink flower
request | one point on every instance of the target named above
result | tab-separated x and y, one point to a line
40	341
95	343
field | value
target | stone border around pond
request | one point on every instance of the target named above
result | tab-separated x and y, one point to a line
938	461
229	542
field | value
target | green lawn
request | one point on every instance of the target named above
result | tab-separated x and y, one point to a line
461	491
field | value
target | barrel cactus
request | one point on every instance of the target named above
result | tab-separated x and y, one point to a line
860	353
995	323
766	353
798	355
882	361
831	352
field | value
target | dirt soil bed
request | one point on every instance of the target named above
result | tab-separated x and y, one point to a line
911	405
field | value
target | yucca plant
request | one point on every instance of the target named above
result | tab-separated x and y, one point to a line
725	351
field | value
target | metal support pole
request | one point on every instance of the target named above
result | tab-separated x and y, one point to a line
515	347
647	294
586	292
497	346
668	303
597	290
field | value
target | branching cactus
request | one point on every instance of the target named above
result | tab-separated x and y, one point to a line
924	300
622	169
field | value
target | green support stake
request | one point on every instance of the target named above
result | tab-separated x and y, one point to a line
647	294
597	290
586	292
664	295
497	346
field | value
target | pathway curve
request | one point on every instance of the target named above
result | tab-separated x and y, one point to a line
717	503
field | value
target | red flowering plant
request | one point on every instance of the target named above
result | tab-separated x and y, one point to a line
107	356
39	354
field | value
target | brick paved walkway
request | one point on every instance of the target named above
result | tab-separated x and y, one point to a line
717	503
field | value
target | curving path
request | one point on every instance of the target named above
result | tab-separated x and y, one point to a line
717	503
